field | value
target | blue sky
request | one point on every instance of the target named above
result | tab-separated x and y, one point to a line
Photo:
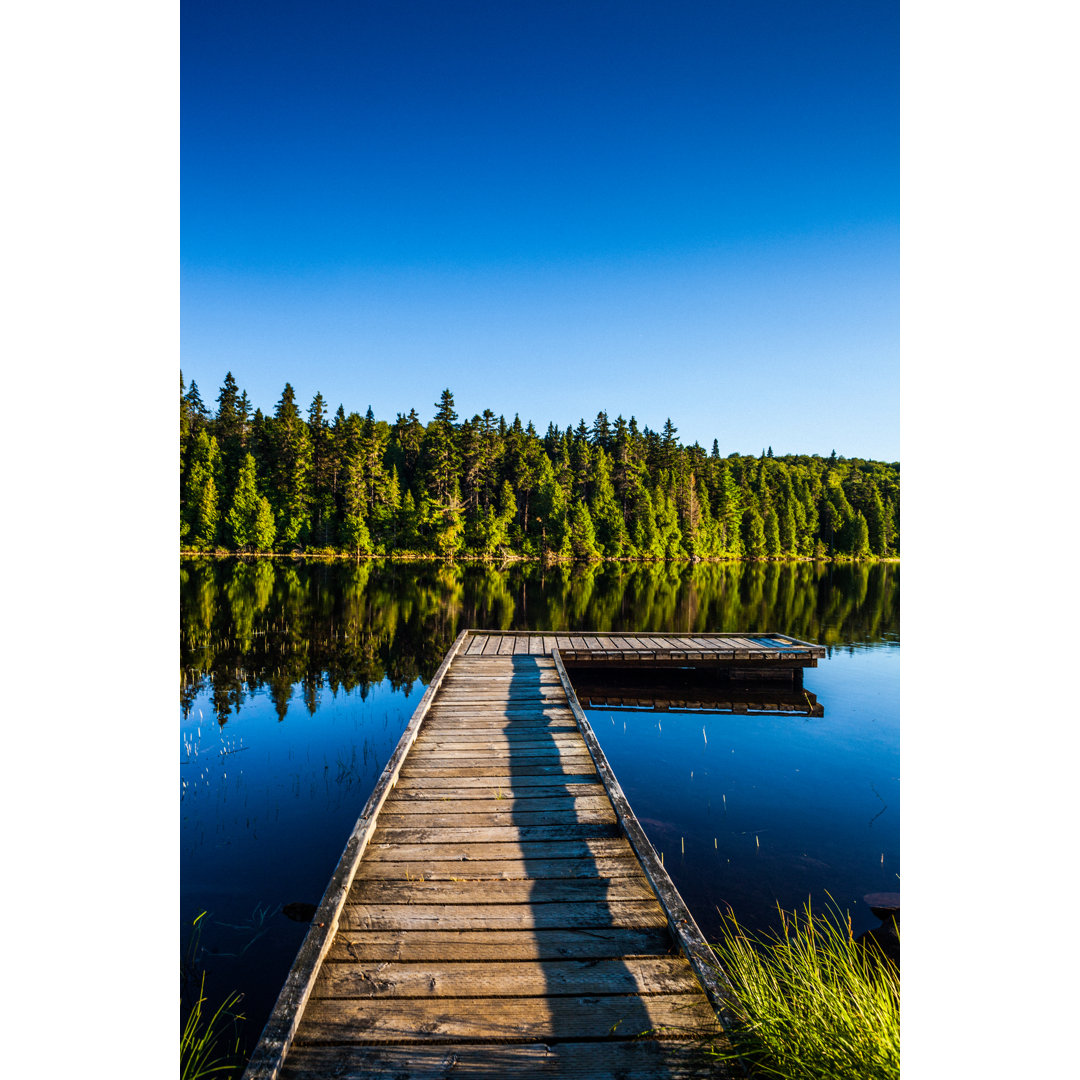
680	209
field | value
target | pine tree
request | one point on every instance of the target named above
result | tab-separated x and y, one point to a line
667	518
199	508
753	533
250	521
607	517
582	534
859	545
643	531
321	475
772	534
669	445
551	512
355	535
442	451
290	448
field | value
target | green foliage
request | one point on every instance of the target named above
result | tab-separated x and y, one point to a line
811	1003
210	1042
199	509
753	531
484	488
250	521
582	534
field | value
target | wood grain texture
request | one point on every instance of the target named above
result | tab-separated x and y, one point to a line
542	1018
562	943
500	978
523	916
610	1059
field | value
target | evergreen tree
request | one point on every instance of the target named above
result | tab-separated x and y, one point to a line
199	514
607	517
355	535
321	477
197	416
772	534
442	452
250	521
859	545
582	534
754	542
643	532
551	516
290	448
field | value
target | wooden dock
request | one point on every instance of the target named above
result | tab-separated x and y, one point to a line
498	910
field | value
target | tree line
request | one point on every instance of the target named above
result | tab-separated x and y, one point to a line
486	488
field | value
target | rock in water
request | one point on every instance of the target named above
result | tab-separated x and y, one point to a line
299	912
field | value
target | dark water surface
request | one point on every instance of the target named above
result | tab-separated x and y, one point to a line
297	680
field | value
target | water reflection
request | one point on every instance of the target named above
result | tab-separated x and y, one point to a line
268	624
689	690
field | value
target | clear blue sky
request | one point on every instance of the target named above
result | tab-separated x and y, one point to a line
658	209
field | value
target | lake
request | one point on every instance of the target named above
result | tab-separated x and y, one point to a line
297	679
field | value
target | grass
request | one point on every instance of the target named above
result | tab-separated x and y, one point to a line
812	1004
210	1044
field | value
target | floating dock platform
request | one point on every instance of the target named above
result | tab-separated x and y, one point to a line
498	911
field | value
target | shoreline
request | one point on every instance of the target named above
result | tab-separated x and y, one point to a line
506	560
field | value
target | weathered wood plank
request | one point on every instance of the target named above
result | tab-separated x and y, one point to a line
497	801
467	715
609	1059
518	673
575	767
498	891
640	975
512	740
391	818
497	834
480	869
516	795
553	916
541	1018
588	849
482	727
420	946
509	783
510	760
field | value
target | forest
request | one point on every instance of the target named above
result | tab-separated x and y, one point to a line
485	488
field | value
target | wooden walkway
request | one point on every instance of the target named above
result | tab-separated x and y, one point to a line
651	649
498	910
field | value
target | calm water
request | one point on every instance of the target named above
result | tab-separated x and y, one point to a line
298	679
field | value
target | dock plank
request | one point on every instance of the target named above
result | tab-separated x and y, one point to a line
523	916
563	943
622	1059
539	1018
500	978
442	866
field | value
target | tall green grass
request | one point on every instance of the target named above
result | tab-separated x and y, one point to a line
210	1042
811	1003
